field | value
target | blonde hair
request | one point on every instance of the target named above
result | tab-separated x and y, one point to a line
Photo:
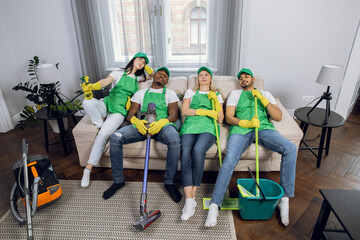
211	87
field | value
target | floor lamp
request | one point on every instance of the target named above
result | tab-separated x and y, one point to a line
48	76
330	75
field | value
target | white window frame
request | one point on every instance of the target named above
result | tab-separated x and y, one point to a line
161	56
183	60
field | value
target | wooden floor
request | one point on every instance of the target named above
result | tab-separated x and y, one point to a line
340	169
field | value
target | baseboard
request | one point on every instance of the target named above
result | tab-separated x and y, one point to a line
291	112
16	118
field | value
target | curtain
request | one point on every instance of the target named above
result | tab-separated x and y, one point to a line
233	56
6	123
97	26
91	56
350	90
95	29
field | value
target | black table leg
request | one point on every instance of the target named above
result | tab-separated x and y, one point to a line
328	137
74	119
62	134
305	129
321	146
46	136
321	221
302	125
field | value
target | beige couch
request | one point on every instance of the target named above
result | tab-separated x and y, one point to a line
134	154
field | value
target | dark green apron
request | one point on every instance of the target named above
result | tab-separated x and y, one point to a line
199	124
118	96
245	110
160	102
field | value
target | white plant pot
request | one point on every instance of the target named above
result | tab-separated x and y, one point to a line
55	127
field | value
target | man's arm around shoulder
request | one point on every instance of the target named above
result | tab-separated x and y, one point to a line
173	111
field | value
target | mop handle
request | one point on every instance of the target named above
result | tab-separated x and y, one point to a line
217	139
257	150
146	164
217	134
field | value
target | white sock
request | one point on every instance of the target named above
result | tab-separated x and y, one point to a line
283	206
212	215
86	178
189	209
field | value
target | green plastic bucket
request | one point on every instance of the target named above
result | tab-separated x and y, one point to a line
256	208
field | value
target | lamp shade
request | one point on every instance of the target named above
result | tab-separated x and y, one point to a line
330	75
48	73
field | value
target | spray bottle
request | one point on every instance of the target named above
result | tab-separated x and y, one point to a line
85	81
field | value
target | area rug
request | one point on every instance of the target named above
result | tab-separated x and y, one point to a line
82	213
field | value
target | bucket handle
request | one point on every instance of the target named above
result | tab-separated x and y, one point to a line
253	177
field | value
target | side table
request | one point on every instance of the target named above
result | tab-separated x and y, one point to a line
345	206
45	115
317	118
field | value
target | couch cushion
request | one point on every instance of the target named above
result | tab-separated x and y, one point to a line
177	84
84	134
226	83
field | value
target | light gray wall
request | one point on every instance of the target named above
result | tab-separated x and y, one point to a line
9	75
42	28
287	42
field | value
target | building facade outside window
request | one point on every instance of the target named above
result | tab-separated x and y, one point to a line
173	33
198	29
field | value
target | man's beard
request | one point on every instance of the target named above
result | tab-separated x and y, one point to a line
158	83
245	87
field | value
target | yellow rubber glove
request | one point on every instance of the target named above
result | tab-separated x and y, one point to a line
210	113
140	124
156	126
263	100
94	86
85	82
148	69
88	87
128	104
212	95
253	123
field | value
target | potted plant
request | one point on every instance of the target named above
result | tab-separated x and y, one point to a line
42	95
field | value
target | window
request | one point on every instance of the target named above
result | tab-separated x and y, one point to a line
186	32
173	33
198	28
129	30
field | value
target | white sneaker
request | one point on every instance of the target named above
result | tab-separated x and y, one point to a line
212	215
283	206
189	209
85	181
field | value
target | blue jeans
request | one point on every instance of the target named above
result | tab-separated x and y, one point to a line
129	134
193	151
237	145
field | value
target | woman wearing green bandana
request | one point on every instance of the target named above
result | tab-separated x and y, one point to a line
198	134
112	108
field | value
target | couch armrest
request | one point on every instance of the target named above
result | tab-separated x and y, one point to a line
287	126
84	134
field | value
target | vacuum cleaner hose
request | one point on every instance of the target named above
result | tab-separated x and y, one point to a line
13	207
35	195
